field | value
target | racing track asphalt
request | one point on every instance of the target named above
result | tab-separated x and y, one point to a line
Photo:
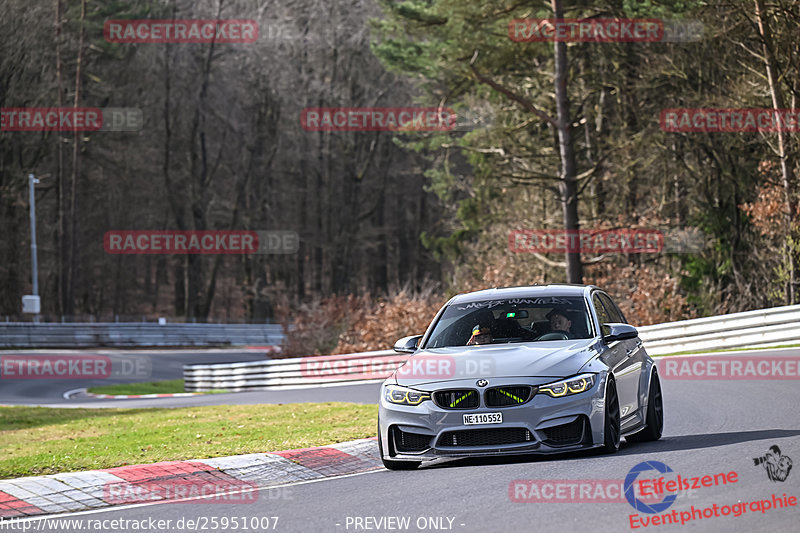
711	427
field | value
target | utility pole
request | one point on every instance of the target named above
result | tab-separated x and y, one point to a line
31	303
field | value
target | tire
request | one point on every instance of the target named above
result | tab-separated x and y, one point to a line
655	414
611	431
395	465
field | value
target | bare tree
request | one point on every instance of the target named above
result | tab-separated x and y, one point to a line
784	152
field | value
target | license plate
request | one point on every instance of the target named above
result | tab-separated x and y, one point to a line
483	418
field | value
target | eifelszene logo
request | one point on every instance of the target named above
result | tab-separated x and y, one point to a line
637	503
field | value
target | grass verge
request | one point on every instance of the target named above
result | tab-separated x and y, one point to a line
40	440
171	386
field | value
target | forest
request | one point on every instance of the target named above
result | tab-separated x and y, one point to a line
556	127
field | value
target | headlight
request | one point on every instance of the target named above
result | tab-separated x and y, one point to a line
404	396
569	386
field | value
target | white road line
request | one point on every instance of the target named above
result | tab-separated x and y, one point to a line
69	393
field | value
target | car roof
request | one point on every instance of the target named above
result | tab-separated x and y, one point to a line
523	292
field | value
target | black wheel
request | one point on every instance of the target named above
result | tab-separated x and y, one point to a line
395	465
611	426
655	414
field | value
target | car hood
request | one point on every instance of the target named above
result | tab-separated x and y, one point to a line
555	359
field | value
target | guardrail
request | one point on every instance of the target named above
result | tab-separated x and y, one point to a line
751	329
293	373
762	328
139	334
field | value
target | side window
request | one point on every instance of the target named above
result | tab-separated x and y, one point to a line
613	311
602	314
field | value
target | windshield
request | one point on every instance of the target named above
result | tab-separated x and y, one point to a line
512	320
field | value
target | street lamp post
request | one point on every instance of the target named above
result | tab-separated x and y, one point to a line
35	303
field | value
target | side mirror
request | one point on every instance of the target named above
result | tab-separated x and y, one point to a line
618	332
407	344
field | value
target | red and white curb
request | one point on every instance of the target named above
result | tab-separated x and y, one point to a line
183	480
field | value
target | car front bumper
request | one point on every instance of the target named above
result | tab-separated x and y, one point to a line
538	426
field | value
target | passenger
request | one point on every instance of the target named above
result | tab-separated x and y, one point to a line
480	335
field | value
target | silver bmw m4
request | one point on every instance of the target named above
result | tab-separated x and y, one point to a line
542	369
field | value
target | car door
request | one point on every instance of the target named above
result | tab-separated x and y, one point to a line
625	360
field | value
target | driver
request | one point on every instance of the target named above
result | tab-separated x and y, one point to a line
480	335
559	321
